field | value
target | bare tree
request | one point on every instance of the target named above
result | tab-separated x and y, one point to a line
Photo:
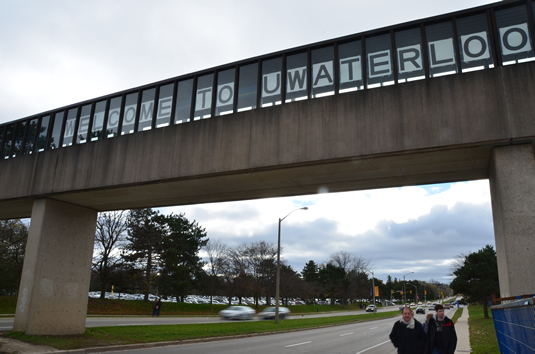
110	234
216	251
350	262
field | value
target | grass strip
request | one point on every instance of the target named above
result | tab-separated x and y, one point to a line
457	314
482	333
104	336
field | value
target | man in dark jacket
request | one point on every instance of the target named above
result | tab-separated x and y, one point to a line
408	334
441	335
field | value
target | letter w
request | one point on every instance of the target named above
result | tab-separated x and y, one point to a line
297	76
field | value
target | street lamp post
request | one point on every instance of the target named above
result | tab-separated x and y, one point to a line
277	285
404	293
373	290
416	294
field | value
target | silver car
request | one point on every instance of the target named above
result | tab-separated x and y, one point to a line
237	313
269	313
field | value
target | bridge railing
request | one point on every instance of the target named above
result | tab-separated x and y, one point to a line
475	39
514	323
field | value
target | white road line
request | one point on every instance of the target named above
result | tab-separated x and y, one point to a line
375	346
374	327
135	324
345	334
293	345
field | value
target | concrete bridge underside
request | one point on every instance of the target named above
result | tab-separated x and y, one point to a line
454	128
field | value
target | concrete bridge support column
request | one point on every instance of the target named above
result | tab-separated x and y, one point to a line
512	186
56	274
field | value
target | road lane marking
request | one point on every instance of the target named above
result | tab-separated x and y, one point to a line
293	345
374	327
375	346
345	334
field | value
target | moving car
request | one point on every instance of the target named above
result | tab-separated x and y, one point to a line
237	313
420	309
269	313
431	307
370	308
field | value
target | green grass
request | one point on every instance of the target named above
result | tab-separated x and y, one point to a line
100	336
458	314
482	333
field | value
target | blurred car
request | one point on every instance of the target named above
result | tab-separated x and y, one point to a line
420	310
413	304
431	307
370	308
237	313
269	313
447	306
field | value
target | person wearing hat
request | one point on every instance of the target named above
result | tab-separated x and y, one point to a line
408	334
441	336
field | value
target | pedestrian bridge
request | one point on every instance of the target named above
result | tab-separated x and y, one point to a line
444	99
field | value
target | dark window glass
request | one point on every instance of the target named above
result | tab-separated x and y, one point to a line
114	117
146	110
203	98
70	125
83	125
474	43
514	35
43	131
296	77
247	87
183	101
2	131
129	115
379	61
350	66
30	137
98	120
8	139
322	72
271	82
56	131
224	100
165	105
18	138
441	49
409	55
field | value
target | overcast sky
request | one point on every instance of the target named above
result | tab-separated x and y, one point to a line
56	53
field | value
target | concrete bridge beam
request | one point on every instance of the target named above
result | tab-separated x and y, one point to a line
54	287
512	186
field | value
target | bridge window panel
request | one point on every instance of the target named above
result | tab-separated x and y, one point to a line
70	125
350	66
379	61
55	137
322	72
224	101
409	55
114	117
203	97
271	93
296	77
247	87
31	132
441	49
129	115
43	132
474	43
8	140
98	120
184	100
83	124
514	36
2	131
165	105
146	110
20	127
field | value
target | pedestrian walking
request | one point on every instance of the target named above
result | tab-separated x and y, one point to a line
156	306
408	334
441	335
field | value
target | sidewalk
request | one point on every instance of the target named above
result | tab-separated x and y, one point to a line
463	335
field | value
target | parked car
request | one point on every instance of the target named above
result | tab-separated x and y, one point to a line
269	312
420	309
237	313
370	308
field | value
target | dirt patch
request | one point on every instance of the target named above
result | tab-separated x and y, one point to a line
13	346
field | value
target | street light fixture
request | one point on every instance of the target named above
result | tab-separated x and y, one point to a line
404	293
373	290
277	285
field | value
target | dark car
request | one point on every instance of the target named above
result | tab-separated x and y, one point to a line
420	310
269	313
